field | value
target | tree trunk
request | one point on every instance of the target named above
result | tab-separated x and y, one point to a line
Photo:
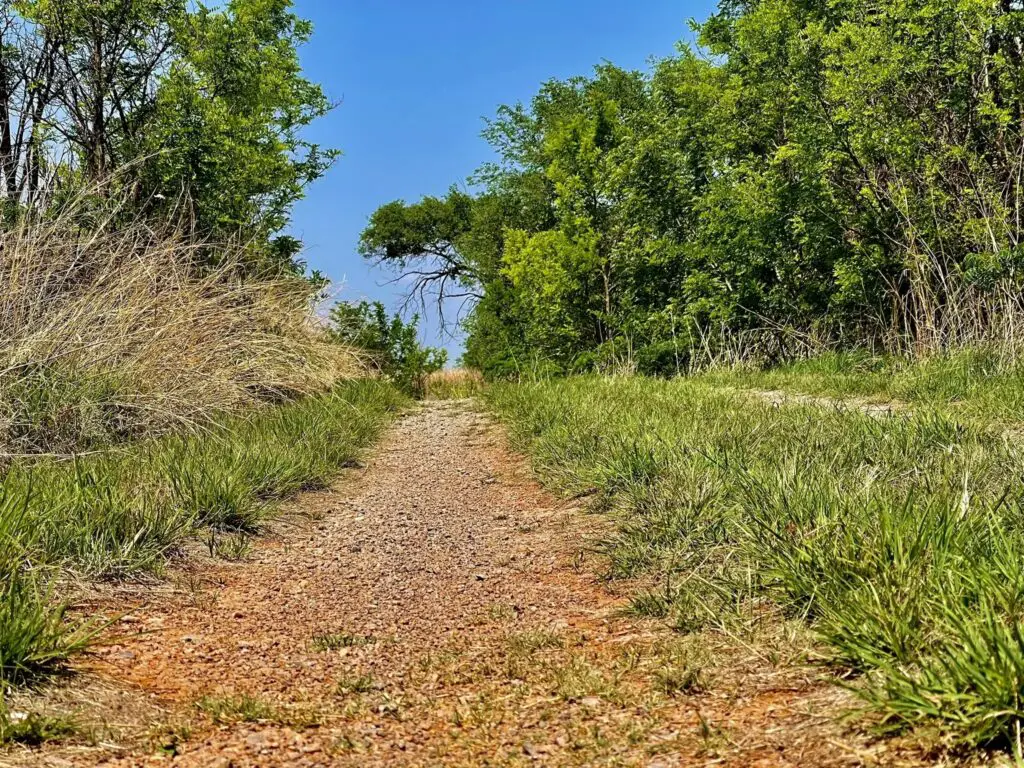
97	142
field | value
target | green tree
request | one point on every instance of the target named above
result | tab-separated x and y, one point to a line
189	113
226	131
391	343
848	170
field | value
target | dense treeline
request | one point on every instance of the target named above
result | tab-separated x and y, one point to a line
180	112
848	171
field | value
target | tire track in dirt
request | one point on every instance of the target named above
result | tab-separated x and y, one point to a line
780	397
443	610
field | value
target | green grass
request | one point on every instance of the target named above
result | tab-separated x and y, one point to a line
337	641
976	384
236	709
900	541
33	729
246	708
127	511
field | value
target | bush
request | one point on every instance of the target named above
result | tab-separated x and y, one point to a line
390	343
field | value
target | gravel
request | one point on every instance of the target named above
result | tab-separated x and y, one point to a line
442	609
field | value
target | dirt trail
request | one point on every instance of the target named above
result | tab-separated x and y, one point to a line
779	397
441	611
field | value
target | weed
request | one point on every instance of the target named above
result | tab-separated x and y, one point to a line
579	679
234	548
682	672
32	729
169	738
713	738
337	641
392	706
34	637
501	612
533	640
355	684
237	709
196	587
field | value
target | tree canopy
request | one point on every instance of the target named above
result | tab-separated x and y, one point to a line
189	112
848	170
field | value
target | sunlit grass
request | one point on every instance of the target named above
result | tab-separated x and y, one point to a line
979	384
899	540
124	512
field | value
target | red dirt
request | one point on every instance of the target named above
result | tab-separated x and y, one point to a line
467	626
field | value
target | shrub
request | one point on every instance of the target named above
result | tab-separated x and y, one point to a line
390	343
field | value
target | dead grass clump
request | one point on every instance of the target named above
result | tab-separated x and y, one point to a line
113	331
453	384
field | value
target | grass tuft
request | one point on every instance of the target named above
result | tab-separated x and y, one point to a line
243	708
337	641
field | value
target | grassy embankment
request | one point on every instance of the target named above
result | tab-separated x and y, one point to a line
145	399
899	540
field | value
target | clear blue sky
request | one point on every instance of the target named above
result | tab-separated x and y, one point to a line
415	78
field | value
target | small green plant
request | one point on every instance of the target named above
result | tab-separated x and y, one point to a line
391	706
35	638
392	343
579	679
169	738
231	547
242	708
501	612
339	640
681	676
533	640
354	684
33	729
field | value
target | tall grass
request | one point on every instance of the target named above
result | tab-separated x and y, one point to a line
111	331
899	540
150	388
453	384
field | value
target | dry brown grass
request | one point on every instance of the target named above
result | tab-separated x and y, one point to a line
453	384
112	330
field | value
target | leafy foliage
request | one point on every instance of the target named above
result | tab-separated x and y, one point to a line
391	343
846	171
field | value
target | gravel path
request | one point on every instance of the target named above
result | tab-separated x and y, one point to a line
441	610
